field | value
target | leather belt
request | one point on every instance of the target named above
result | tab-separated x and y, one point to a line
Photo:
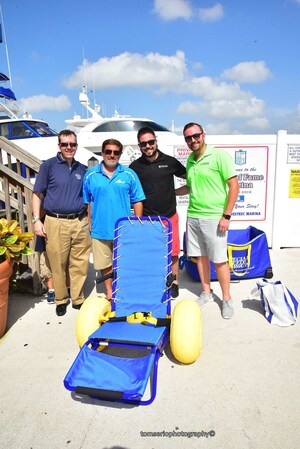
67	216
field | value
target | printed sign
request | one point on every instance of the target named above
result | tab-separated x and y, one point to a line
293	154
294	187
251	163
182	153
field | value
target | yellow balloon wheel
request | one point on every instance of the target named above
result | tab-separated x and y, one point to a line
186	331
87	320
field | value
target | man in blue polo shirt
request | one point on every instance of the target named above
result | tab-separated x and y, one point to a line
59	186
109	189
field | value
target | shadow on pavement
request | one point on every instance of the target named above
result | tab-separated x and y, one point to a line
18	305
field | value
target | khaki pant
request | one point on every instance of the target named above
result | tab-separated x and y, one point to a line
68	244
45	267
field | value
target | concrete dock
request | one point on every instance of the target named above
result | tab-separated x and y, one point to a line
243	392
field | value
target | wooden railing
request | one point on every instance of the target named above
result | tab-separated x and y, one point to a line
18	170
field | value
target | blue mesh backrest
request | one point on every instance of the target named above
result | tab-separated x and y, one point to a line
142	261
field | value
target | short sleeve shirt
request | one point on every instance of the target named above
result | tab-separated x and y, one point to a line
157	179
61	185
110	198
207	178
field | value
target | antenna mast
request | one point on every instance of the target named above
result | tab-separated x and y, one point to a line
6	48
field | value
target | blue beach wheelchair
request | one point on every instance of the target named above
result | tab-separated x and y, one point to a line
122	340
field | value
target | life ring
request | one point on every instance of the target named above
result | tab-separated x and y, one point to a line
186	331
87	320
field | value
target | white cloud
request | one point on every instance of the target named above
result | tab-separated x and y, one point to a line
39	103
224	109
212	90
248	72
218	128
259	123
131	69
183	9
172	10
190	107
206	96
211	14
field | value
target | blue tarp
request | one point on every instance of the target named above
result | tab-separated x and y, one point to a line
7	93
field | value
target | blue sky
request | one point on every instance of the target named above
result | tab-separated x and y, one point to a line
231	65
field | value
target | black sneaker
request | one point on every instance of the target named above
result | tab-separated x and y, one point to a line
77	306
174	290
61	309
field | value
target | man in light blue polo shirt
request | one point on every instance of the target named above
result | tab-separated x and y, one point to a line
109	189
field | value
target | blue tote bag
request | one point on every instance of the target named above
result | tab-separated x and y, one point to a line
248	256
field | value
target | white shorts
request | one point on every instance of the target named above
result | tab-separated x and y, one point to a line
205	239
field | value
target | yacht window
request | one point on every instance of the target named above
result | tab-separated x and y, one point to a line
41	128
4	131
117	126
155	126
18	129
127	125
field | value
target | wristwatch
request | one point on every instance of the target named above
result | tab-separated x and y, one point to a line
35	219
227	216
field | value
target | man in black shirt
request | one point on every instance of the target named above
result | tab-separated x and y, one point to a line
156	172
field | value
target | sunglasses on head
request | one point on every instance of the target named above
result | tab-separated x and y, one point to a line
66	144
114	152
149	142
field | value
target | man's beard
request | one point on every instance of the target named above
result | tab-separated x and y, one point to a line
151	155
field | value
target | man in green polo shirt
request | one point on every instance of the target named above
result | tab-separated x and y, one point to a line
213	185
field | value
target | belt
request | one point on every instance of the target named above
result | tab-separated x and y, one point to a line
67	216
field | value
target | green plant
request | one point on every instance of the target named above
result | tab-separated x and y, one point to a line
13	242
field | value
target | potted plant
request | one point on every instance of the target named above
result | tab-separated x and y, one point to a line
13	245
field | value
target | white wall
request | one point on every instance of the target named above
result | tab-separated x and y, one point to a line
263	164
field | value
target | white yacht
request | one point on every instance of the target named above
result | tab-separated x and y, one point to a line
27	132
94	129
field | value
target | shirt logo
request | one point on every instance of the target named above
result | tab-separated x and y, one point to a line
120	182
163	166
77	176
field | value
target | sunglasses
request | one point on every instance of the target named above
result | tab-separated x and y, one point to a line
114	152
149	142
194	136
66	144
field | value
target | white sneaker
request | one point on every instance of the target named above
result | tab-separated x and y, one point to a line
227	309
205	298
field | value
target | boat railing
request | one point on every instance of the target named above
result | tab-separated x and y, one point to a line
18	170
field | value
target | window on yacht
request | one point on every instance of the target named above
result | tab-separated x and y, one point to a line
4	130
127	126
18	129
42	128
